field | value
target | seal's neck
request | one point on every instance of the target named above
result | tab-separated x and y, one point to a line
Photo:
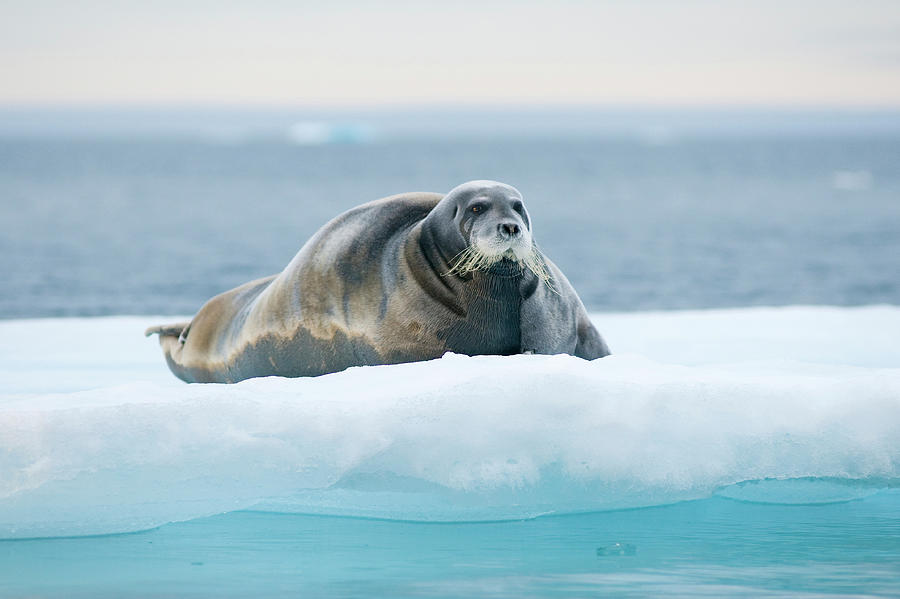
428	264
487	303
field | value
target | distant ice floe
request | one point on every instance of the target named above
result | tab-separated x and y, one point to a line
792	405
851	180
312	133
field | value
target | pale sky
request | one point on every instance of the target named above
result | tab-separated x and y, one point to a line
766	52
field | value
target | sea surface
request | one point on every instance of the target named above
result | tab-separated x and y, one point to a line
743	440
646	211
710	548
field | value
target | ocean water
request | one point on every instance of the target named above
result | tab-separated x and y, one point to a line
743	440
710	548
662	215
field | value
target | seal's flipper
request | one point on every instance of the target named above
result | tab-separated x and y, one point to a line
168	330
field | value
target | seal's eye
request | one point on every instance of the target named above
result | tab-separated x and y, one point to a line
517	207
476	208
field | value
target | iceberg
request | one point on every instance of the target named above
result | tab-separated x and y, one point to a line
97	437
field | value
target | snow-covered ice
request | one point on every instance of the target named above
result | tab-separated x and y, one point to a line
96	436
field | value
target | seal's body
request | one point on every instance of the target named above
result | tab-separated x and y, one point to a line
402	279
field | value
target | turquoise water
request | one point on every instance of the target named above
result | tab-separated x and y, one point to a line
713	547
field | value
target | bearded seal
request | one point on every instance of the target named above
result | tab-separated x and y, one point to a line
401	279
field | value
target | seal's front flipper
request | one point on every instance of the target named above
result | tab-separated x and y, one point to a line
169	330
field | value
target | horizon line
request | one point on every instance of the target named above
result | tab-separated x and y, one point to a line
448	106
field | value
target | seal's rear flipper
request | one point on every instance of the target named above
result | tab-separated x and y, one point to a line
168	330
171	339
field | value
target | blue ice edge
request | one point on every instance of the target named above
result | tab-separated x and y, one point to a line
804	491
431	506
444	505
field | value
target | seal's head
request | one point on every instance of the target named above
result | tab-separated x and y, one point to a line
491	228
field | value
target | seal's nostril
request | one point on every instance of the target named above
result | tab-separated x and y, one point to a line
508	229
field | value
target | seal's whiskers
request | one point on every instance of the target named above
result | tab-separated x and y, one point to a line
472	258
533	261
